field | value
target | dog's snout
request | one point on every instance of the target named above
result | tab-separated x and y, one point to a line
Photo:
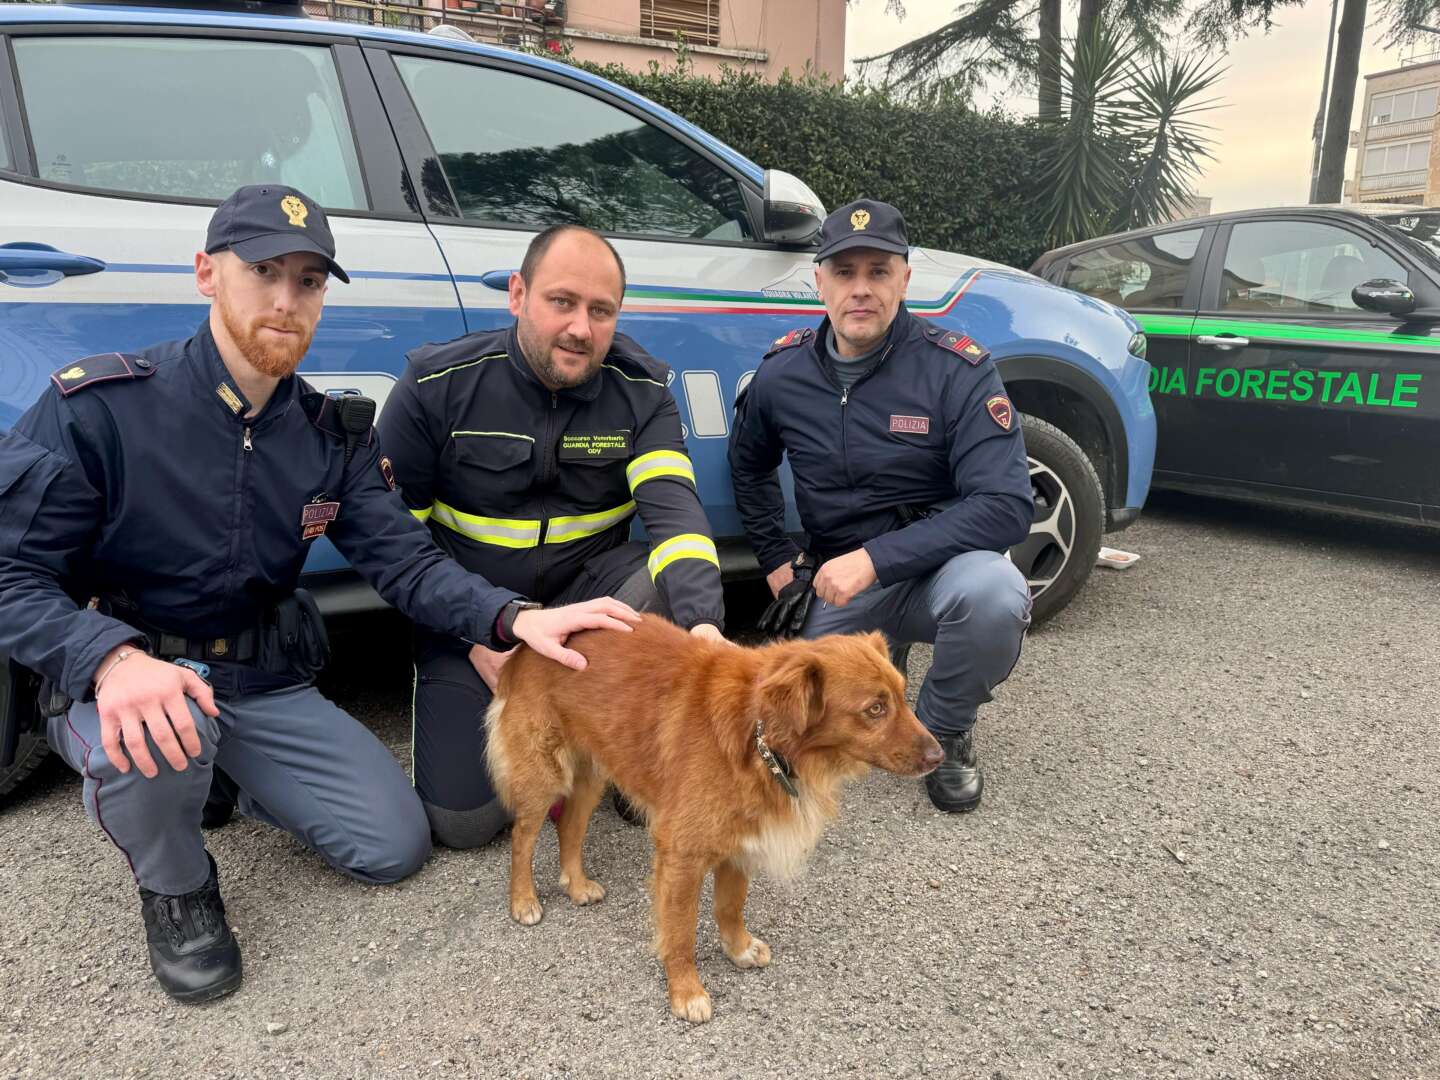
931	754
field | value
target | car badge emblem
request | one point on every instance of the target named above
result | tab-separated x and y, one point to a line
295	209
860	220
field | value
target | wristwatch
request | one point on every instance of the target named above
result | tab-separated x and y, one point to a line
505	621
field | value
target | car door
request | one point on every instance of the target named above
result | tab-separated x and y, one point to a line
1299	393
506	150
1156	277
103	211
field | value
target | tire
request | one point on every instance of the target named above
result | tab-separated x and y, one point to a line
1064	540
32	748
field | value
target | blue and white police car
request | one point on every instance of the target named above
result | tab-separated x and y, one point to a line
437	159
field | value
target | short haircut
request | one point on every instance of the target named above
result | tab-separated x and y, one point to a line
535	253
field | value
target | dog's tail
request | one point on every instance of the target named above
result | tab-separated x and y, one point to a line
497	759
526	758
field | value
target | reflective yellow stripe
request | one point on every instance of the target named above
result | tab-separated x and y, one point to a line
497	434
502	532
423	515
564	529
684	546
632	378
458	367
659	463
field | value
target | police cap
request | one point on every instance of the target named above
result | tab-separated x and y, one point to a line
265	221
864	223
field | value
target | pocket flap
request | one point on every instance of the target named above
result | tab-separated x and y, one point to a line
492	450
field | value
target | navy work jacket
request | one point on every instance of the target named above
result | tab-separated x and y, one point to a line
928	431
138	476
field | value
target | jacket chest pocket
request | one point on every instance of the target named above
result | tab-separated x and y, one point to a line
490	463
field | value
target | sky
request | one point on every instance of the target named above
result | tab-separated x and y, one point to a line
1270	93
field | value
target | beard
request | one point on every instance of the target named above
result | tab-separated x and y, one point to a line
277	359
538	354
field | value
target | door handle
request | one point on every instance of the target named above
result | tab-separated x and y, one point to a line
30	266
1223	341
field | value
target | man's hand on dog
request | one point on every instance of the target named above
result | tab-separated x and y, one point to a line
545	629
710	632
487	664
840	580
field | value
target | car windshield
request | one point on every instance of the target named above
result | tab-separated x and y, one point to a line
1420	232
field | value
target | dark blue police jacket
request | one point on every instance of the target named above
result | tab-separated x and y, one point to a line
929	431
138	476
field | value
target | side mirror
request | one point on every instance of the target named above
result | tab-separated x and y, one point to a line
1385	296
793	213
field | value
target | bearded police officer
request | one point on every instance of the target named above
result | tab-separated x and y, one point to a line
529	451
158	509
910	479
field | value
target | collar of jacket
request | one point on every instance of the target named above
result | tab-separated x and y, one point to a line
903	325
589	390
218	385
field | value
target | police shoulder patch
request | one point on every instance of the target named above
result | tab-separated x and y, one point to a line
962	345
103	367
790	340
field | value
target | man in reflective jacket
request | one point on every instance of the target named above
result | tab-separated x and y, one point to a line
155	511
910	479
529	451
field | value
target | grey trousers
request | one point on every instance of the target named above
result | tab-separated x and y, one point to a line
974	609
301	764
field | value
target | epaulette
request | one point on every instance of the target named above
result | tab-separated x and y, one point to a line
790	340
962	345
633	360
320	408
103	367
436	360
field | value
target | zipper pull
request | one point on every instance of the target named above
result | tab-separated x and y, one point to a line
554	401
248	444
844	397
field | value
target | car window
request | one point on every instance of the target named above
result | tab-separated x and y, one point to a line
187	117
1299	266
528	152
4	145
1145	273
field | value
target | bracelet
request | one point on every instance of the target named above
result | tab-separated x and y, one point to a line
113	665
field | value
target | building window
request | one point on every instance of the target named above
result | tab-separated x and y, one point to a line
1403	105
698	21
1398	157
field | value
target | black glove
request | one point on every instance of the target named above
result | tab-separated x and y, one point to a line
785	617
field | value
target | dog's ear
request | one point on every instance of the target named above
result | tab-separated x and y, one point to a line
876	640
792	694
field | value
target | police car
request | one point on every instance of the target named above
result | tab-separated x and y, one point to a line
1296	352
121	127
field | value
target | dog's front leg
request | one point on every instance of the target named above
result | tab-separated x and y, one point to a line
677	906
732	884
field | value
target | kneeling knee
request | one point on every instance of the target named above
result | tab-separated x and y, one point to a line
465	829
402	856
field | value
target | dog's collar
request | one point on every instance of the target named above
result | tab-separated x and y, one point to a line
776	763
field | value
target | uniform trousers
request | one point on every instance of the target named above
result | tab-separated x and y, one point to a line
450	702
301	763
974	609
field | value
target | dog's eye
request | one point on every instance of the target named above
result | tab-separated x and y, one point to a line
876	710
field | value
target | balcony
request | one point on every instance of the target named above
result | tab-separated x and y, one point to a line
1414	180
1399	129
516	23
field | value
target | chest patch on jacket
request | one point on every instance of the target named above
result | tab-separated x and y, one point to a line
594	445
315	517
910	425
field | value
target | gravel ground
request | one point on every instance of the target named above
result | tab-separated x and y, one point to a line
1207	849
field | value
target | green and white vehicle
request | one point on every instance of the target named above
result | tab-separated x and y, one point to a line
1295	352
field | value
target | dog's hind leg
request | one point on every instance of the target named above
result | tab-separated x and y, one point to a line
584	797
677	905
732	884
524	903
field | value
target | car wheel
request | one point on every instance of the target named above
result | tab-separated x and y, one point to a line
1064	539
31	748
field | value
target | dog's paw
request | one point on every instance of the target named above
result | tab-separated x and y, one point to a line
585	891
757	955
527	912
695	1008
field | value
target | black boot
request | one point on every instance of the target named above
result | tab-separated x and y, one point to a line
628	811
957	784
220	803
192	951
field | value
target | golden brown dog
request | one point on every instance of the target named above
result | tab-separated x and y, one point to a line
735	756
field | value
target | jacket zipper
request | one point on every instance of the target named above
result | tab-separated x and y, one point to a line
845	400
544	511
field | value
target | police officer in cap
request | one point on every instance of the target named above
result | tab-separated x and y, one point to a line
158	509
910	479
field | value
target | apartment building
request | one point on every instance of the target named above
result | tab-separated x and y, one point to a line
765	35
1396	142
